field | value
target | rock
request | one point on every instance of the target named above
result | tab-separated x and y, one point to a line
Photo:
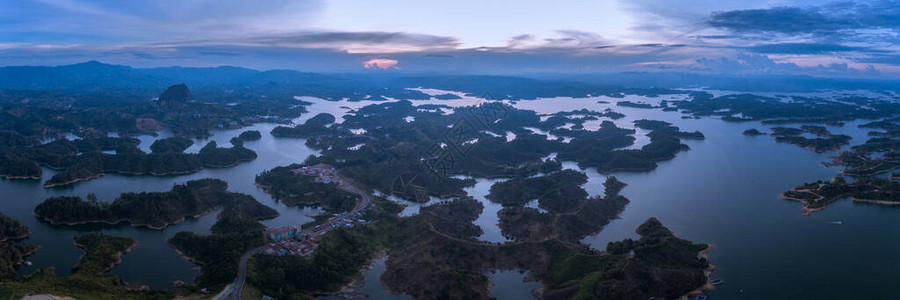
175	96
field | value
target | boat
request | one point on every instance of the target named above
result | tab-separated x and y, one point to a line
716	282
27	263
836	222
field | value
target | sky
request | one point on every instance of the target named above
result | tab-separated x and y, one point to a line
818	38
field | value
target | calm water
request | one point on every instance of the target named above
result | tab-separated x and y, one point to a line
724	191
152	262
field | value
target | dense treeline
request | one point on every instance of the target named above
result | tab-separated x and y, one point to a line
434	254
391	147
167	158
570	214
88	279
317	125
250	135
817	195
171	145
234	233
795	109
12	253
12	229
298	189
211	156
102	252
151	209
341	254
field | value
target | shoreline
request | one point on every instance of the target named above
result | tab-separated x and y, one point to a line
76	180
709	270
10	177
348	291
112	264
880	202
132	224
16	238
27	254
92	177
807	210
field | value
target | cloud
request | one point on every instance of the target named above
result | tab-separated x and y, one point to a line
842	19
803	48
381	64
746	63
350	42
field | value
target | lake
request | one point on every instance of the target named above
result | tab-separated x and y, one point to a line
724	191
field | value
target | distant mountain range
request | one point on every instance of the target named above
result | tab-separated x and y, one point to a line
97	77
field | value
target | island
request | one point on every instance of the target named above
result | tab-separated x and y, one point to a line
434	255
568	213
235	232
815	196
12	229
13	253
386	145
154	210
303	185
102	252
88	279
753	132
825	140
250	135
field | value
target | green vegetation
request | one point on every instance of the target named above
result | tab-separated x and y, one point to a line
102	252
298	189
234	233
167	159
12	229
335	262
570	214
88	279
434	254
316	125
11	255
824	142
171	145
753	132
782	110
817	195
213	157
151	209
397	150
250	135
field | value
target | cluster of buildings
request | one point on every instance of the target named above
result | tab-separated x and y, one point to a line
291	246
282	233
291	240
323	173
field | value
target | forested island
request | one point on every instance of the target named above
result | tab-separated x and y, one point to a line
434	255
817	195
12	229
235	232
13	253
88	279
569	215
433	148
102	252
151	209
91	157
292	188
824	141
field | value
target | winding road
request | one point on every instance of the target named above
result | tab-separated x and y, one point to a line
242	267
